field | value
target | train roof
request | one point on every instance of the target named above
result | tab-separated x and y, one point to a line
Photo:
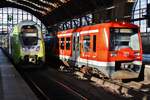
26	22
96	26
118	24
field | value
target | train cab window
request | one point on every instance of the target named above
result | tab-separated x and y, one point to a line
86	43
29	35
62	43
68	43
124	37
94	43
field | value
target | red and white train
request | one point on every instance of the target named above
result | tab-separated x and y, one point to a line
113	48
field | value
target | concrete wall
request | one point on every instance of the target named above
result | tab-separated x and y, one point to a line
147	73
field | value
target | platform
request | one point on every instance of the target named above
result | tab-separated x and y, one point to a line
12	86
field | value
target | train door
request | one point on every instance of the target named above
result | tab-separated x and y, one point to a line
75	47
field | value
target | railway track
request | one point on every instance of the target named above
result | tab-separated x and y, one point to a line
48	88
81	92
137	90
50	84
133	91
33	85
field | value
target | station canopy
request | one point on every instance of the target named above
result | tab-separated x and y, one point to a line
54	11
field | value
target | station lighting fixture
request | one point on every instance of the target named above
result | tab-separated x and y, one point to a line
50	8
13	1
64	1
56	4
112	7
39	6
131	1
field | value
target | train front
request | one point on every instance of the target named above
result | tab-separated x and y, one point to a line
125	51
32	44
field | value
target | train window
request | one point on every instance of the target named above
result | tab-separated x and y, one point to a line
124	37
29	35
94	43
62	43
68	43
86	43
29	29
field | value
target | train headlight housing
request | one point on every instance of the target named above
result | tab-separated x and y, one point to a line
137	54
37	48
113	54
24	49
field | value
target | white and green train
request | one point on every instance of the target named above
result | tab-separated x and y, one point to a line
27	43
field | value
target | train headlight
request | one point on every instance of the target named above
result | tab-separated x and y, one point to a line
24	49
137	54
113	54
37	48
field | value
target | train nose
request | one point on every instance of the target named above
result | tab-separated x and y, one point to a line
126	53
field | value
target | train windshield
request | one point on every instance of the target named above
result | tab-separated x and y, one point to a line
124	37
29	35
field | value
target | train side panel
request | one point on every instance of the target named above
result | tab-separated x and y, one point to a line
41	52
65	46
15	45
98	45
